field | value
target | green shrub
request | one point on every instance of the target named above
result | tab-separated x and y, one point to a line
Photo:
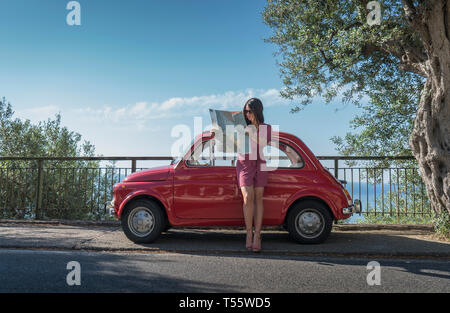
441	224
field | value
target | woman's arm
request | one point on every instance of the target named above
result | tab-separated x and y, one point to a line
251	131
265	134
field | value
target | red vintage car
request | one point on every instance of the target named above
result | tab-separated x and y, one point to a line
201	189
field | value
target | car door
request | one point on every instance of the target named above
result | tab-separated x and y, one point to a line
286	177
205	186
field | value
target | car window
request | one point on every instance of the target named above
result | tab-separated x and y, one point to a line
277	154
201	155
207	155
281	155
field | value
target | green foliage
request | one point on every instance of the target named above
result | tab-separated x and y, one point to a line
46	139
384	125
70	189
327	47
441	224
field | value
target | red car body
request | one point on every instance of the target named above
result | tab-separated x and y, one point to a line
199	196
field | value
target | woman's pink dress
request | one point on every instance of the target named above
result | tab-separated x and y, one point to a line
248	167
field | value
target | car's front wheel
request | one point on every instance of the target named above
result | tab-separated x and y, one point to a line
143	221
309	222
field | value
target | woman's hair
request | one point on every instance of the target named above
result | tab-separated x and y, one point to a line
255	105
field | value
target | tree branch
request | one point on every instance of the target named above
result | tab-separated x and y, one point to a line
418	68
418	54
408	61
415	17
326	61
410	9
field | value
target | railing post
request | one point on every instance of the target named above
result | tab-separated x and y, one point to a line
133	165
40	183
336	168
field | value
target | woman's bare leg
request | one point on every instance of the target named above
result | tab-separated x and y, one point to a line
248	194
259	213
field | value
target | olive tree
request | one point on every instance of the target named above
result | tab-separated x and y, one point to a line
70	187
382	49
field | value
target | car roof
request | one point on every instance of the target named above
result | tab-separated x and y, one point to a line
208	135
282	135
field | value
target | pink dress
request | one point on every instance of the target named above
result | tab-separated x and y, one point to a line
249	171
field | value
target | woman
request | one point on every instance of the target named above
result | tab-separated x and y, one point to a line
251	174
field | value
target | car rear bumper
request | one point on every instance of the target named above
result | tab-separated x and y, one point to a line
356	207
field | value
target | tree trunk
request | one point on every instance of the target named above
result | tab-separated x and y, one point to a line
430	138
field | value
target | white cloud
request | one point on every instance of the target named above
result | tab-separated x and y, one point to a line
141	115
179	106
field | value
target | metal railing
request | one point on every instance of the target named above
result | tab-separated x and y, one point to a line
61	187
80	187
388	193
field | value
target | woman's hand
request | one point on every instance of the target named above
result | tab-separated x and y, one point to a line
214	130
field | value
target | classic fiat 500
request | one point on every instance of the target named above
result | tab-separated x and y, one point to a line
201	189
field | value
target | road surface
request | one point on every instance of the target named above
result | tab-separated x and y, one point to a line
48	271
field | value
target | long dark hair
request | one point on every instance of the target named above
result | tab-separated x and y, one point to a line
255	105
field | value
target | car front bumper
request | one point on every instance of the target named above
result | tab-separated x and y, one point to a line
356	207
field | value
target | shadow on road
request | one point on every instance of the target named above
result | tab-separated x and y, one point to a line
350	248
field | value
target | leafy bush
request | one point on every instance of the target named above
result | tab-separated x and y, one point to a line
441	224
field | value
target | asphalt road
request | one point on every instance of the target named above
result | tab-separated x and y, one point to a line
48	271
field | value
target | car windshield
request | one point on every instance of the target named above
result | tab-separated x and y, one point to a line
177	159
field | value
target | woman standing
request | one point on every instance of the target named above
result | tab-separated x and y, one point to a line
251	173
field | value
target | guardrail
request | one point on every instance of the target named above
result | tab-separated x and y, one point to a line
388	194
61	187
80	187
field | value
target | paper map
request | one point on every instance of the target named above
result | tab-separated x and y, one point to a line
231	125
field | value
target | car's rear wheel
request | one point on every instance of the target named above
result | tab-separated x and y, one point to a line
143	221
309	222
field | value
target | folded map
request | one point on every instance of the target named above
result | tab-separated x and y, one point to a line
231	125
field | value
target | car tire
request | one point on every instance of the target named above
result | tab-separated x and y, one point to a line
143	221
309	222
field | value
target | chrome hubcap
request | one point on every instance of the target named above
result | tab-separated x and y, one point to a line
309	223
141	221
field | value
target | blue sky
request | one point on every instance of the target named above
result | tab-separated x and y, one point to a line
135	69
